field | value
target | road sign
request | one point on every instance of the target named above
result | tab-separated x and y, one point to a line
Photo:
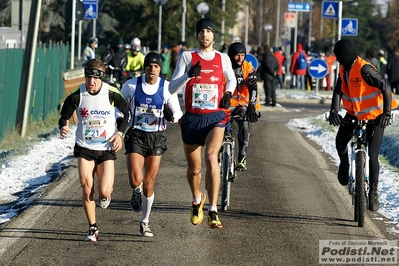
91	7
318	68
250	58
290	19
304	7
349	26
67	11
330	9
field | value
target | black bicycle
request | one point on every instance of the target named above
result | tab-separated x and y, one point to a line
227	163
359	170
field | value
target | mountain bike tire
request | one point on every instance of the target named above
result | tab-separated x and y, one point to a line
360	201
225	182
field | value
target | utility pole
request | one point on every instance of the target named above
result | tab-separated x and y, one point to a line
28	66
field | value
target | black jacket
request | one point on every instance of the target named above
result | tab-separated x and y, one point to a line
270	66
393	69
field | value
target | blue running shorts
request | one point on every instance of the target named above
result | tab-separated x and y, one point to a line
195	127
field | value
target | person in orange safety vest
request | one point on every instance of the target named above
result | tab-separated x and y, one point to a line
245	99
365	95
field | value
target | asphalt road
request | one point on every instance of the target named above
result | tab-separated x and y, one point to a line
286	202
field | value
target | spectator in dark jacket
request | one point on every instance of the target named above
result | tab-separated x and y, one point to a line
393	71
269	70
259	56
370	57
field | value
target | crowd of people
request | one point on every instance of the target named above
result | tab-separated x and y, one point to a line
215	86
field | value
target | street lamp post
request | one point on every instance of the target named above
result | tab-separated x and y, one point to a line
223	23
202	8
246	23
276	42
260	24
183	21
268	29
160	3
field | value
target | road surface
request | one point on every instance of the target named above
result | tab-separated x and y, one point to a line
286	202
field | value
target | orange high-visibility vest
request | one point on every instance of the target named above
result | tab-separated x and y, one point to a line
360	99
242	97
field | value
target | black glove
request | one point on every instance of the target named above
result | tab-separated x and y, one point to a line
167	113
251	114
225	101
195	70
334	118
383	120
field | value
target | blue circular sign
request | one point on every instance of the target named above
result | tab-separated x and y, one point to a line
250	58
318	68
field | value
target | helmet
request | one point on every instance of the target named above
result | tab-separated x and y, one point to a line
93	40
135	42
127	46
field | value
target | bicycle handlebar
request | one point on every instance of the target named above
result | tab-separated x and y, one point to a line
357	121
245	118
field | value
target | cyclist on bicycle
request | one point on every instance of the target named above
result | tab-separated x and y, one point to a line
365	96
135	59
245	100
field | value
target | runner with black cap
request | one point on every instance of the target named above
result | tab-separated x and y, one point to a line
152	106
200	76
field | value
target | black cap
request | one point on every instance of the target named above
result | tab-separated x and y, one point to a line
205	23
152	58
236	48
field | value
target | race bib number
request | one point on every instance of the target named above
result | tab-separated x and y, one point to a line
205	96
95	132
147	119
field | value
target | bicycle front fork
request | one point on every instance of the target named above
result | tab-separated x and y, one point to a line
352	180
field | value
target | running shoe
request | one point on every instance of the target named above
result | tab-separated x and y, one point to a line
242	164
136	201
145	229
197	215
92	235
104	202
213	220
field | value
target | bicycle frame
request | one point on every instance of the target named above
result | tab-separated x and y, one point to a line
358	143
227	162
227	168
359	174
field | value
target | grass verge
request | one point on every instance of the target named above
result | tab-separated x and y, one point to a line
12	144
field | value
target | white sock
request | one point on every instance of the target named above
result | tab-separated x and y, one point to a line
139	189
197	200
212	209
146	207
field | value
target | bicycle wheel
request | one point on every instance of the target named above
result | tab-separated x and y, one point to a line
226	164
360	203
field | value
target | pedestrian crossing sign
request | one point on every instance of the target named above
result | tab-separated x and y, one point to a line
330	9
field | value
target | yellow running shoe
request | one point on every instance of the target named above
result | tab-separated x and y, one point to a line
197	215
241	164
213	220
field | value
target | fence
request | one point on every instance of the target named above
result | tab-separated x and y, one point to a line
47	83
